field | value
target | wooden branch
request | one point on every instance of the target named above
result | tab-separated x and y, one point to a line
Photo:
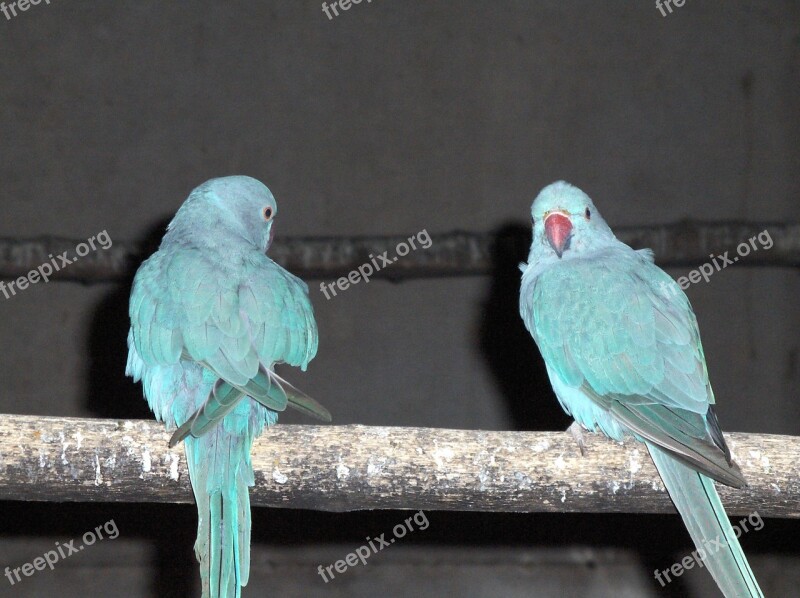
346	468
687	243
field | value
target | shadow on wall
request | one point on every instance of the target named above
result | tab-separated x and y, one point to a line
114	395
111	393
506	344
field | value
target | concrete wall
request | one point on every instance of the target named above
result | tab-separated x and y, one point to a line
392	118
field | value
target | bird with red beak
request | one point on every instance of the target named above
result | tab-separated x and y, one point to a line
623	354
565	222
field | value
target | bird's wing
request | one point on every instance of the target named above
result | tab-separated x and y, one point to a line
622	331
237	320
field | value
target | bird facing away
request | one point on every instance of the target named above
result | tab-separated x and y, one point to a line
622	349
211	315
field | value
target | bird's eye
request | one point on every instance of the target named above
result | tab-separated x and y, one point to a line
268	213
588	213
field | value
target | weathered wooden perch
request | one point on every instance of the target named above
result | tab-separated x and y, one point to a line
346	468
685	243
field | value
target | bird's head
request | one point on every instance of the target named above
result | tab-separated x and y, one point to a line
228	209
565	222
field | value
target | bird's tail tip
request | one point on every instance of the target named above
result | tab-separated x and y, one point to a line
221	475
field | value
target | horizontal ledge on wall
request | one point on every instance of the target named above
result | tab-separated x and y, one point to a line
348	468
686	243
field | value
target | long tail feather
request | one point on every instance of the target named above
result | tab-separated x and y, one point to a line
696	499
221	472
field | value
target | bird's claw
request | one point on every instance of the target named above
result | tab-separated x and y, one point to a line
577	432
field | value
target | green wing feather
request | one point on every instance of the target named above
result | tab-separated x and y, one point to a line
622	331
237	325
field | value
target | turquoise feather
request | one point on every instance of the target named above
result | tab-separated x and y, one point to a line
623	353
211	315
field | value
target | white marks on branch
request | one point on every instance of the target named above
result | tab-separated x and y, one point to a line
442	455
173	459
65	452
375	465
147	463
98	474
757	457
342	471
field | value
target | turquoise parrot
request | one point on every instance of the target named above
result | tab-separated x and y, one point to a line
211	315
622	349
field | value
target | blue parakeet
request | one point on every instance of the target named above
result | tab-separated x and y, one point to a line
622	349
211	315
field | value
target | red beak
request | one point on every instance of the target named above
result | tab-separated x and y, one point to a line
558	229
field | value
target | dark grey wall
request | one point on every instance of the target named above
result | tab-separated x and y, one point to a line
392	118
